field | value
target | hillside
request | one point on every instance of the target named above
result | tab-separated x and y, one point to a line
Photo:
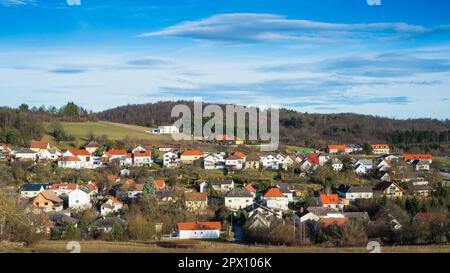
314	130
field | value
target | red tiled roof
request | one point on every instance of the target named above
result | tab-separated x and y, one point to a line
38	145
76	152
273	193
313	159
160	183
199	226
68	186
250	188
417	156
192	153
91	186
239	154
117	152
333	221
330	199
115	201
142	154
380	146
338	147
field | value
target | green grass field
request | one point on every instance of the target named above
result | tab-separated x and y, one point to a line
115	131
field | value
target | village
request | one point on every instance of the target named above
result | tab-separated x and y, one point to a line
151	193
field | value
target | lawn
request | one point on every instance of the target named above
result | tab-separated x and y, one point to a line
48	246
116	131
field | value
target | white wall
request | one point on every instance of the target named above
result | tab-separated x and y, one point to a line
199	234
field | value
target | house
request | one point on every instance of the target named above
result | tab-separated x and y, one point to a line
196	201
166	196
222	185
420	187
311	162
274	198
199	230
229	140
270	161
92	147
61	189
93	189
32	190
202	185
189	156
26	155
331	201
353	193
252	161
83	155
234	162
214	161
284	188
49	155
363	166
48	201
39	146
380	149
386	177
251	189
241	155
392	215
261	218
5	150
389	189
257	207
70	162
60	220
171	160
112	205
424	157
238	198
79	199
339	149
124	158
384	165
287	162
314	214
106	224
130	189
142	158
162	130
421	165
336	164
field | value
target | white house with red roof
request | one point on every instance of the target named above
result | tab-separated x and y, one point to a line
124	158
70	162
171	160
112	205
199	230
79	199
142	158
63	188
274	198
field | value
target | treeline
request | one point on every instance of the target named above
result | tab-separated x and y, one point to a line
312	130
18	126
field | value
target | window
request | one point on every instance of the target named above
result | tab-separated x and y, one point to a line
46	203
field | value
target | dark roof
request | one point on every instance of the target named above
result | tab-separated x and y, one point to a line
61	219
284	187
165	194
221	182
354	189
239	192
34	187
108	222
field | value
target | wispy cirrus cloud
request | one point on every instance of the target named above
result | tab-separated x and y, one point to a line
9	3
380	66
254	27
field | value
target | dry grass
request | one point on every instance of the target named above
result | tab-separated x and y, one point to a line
210	247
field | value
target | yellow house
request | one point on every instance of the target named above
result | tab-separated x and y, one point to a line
189	156
389	189
39	146
48	201
196	201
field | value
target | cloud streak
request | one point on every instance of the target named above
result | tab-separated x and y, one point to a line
254	27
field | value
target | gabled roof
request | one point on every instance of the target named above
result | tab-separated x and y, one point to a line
77	152
221	182
239	193
250	188
417	156
39	145
239	154
380	146
160	183
196	196
329	199
192	153
114	152
382	186
33	187
199	226
50	195
146	153
93	144
70	158
114	200
313	159
273	193
68	186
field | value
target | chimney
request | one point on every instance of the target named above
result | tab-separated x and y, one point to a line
302	209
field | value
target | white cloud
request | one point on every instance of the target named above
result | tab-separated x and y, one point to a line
74	2
9	3
252	27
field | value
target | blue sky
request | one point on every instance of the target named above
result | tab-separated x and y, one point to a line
313	56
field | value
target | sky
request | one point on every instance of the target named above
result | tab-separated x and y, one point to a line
327	56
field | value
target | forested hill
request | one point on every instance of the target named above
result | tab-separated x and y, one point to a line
313	130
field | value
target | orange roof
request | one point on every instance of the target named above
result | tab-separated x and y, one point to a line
115	201
160	183
417	156
192	153
380	146
331	221
273	193
199	226
196	196
38	145
68	186
142	154
250	188
91	186
79	152
338	147
239	154
117	152
330	199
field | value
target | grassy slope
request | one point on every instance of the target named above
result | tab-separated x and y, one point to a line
151	247
116	131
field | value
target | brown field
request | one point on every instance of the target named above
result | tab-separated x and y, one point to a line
207	247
